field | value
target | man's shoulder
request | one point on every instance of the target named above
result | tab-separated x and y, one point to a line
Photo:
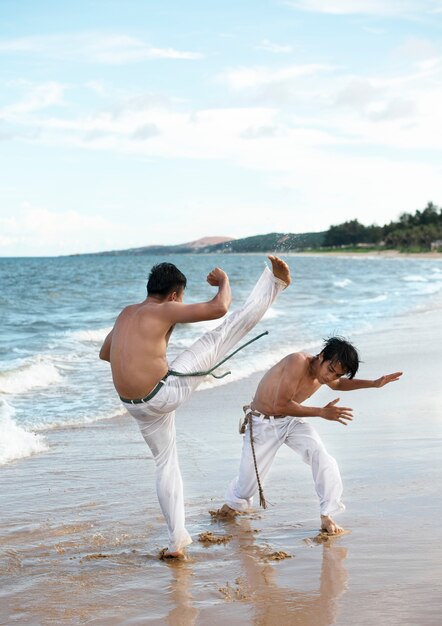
298	357
298	362
131	310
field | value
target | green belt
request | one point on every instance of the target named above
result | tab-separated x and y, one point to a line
159	386
149	396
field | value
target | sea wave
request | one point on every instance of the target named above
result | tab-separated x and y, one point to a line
34	373
77	421
15	441
95	336
342	283
431	289
380	298
414	278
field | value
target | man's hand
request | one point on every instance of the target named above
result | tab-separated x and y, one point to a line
388	378
336	413
216	277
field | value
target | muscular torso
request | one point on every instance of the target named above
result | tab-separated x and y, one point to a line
290	379
138	349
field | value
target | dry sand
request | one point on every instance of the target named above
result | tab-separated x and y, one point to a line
81	529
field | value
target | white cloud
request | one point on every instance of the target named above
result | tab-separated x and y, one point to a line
248	77
93	48
258	132
357	93
367	7
394	109
317	151
38	231
269	46
146	131
38	97
416	48
97	87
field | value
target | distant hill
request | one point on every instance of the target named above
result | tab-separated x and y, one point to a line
181	248
272	242
206	241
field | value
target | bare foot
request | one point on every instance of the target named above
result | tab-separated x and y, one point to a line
280	269
225	512
179	555
330	526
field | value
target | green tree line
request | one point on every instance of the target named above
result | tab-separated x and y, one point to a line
411	231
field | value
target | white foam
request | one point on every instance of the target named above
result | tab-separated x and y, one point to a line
342	283
97	335
81	420
414	278
38	372
15	441
271	313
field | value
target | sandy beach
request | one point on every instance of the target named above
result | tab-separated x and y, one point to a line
387	254
81	528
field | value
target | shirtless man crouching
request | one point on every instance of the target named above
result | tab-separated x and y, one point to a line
277	416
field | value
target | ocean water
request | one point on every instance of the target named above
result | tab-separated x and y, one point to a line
55	313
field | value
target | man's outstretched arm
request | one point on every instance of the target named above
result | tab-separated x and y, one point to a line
347	384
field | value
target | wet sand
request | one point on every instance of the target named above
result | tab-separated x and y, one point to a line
81	529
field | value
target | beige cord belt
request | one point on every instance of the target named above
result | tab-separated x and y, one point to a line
248	419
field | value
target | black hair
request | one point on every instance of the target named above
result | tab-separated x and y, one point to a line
165	278
338	350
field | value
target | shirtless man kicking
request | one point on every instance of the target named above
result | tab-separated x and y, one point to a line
148	387
277	414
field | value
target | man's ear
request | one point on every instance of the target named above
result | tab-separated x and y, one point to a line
172	297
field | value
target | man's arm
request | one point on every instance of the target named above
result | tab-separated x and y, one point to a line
328	412
211	310
105	348
287	388
350	384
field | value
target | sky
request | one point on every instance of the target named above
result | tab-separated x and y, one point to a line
126	123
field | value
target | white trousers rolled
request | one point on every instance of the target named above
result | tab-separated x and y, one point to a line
268	437
156	418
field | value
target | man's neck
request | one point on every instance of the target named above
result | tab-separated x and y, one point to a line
313	367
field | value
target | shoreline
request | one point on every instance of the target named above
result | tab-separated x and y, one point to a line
388	254
362	253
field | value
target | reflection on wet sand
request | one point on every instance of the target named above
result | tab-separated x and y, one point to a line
284	605
256	583
183	613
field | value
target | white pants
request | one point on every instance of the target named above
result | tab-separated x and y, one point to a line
268	437
156	418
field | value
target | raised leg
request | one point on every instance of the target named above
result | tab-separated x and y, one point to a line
215	344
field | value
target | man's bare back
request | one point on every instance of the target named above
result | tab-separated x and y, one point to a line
136	346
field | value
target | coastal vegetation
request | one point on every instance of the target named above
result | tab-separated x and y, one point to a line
417	232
